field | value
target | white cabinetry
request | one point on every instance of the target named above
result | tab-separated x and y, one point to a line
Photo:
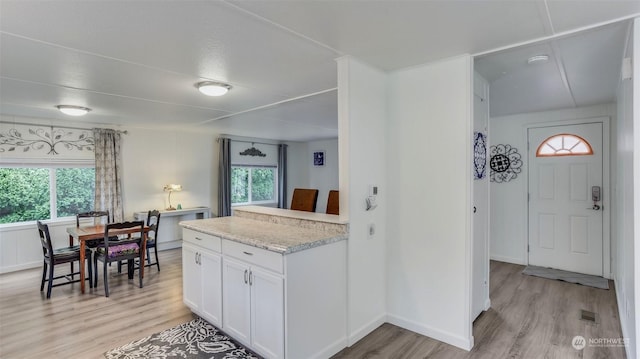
253	299
202	275
279	305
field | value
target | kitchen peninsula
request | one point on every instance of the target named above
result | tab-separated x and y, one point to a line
273	279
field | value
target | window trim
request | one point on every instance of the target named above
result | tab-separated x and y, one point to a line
556	154
275	185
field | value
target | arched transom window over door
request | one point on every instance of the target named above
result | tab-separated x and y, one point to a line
564	144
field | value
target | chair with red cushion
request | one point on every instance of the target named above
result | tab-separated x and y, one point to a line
126	249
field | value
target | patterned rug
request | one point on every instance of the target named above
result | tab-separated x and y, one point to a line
195	339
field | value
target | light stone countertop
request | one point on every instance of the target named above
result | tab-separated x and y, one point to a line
274	237
303	215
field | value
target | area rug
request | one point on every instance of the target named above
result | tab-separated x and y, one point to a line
195	339
571	277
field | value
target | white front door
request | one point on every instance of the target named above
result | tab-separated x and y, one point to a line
565	224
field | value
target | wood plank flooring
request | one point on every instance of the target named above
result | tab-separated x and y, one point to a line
530	318
71	325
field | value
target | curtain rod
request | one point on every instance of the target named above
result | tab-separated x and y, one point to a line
252	142
67	127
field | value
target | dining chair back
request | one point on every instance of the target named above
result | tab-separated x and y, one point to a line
153	222
126	249
53	257
93	214
304	199
333	202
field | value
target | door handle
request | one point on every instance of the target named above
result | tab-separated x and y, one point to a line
245	276
250	280
595	207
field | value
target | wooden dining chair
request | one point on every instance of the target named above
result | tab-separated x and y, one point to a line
153	222
53	257
102	217
304	199
126	249
333	202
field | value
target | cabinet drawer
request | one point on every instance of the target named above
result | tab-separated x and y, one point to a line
201	239
253	255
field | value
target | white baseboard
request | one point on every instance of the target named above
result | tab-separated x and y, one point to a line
162	246
437	334
495	257
623	318
331	349
362	332
21	266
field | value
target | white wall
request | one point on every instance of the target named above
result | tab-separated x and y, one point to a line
508	222
362	120
625	237
154	158
480	286
429	200
324	178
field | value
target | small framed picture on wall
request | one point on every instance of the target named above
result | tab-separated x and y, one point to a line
318	158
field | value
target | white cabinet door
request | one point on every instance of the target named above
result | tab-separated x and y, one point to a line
211	272
267	313
191	278
236	302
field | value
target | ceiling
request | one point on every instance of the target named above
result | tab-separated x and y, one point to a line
135	63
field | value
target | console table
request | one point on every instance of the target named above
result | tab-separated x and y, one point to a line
169	233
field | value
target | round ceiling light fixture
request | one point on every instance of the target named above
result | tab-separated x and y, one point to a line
211	88
73	110
537	59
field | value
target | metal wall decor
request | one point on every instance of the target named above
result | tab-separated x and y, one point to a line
505	163
47	139
479	155
253	152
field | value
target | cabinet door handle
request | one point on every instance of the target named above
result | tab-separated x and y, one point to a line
199	258
245	276
248	253
198	238
250	280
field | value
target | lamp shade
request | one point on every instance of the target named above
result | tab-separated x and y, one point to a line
173	187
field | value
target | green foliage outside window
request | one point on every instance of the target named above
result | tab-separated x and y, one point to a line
239	185
74	190
262	184
25	193
260	189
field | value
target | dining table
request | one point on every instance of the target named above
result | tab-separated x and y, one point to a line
82	234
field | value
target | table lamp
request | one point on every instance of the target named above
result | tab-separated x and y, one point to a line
172	188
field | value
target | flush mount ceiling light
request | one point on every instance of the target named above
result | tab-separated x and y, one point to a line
538	59
211	88
73	110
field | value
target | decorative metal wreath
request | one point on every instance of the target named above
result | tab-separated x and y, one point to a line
505	163
479	155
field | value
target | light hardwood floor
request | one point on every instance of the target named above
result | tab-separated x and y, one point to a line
72	325
530	318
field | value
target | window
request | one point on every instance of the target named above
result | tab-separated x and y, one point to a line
37	193
564	145
253	185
